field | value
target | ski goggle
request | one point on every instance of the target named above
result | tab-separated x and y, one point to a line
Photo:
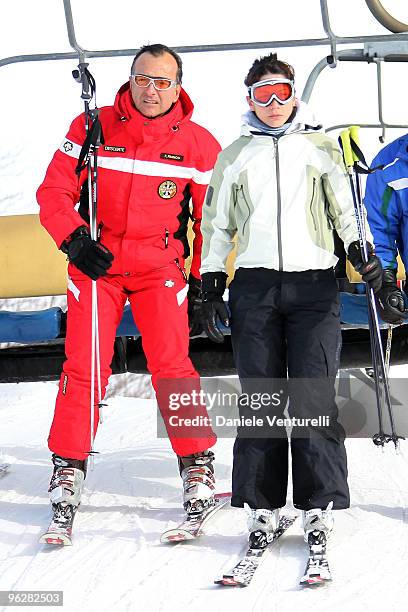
263	92
141	80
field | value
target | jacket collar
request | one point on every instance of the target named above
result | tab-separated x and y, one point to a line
304	121
402	152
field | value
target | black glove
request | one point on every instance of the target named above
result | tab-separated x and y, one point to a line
213	286
194	306
370	271
89	256
390	299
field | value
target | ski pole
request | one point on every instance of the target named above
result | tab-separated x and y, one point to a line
89	159
349	161
383	363
349	142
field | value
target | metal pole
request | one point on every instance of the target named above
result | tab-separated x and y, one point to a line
332	61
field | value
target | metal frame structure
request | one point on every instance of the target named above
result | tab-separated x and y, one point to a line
331	40
384	17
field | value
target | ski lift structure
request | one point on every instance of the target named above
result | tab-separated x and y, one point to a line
33	360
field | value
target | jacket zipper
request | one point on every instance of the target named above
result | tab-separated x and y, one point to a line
166	238
249	210
279	207
311	204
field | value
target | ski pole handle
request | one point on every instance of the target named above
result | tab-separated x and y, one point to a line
354	132
82	76
347	151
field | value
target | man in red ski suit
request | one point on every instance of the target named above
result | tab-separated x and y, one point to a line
152	161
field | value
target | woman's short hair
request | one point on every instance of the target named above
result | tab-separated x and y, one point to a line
268	63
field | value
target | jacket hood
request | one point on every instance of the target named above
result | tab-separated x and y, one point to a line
304	121
181	111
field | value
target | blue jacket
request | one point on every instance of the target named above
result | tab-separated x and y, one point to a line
386	200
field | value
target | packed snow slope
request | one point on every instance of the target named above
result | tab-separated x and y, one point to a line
133	494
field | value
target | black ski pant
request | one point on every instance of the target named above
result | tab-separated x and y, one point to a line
286	325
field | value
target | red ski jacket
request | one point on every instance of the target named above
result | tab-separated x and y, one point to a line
148	170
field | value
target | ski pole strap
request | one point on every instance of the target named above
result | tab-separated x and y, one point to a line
359	158
355	145
93	139
353	155
90	81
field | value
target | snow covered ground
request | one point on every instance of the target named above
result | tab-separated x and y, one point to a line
133	494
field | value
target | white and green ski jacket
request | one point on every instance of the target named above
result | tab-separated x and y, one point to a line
281	198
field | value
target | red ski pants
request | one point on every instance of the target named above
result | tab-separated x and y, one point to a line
159	307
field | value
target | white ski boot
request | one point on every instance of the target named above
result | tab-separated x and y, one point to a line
318	520
262	524
317	525
197	473
67	481
65	495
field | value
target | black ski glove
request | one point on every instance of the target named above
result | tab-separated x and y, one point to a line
213	307
370	271
390	299
89	256
194	306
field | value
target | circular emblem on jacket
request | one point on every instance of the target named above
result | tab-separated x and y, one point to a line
68	146
167	189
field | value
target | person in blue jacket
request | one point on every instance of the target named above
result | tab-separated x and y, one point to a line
386	201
